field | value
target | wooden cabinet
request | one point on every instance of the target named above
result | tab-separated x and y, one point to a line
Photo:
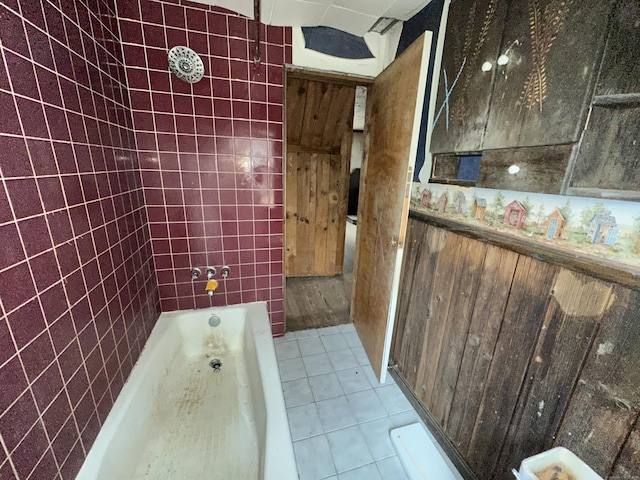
517	83
608	159
541	95
473	37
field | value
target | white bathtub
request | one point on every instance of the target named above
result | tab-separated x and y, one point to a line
176	418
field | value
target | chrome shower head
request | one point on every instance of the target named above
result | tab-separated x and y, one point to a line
186	64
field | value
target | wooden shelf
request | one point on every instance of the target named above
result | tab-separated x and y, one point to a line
617	100
596	267
453	181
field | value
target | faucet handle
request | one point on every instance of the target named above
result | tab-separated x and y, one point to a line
195	273
226	270
211	271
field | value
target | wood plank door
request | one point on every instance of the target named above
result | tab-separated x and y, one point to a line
394	111
319	127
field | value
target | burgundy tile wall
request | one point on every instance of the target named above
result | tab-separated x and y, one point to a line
210	153
78	293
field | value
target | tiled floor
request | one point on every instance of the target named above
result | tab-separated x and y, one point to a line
339	414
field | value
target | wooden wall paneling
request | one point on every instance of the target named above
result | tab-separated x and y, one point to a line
570	324
442	295
620	72
606	401
315	113
491	301
291	214
340	116
628	462
541	96
466	280
609	154
420	264
320	230
542	169
296	96
518	336
474	31
304	241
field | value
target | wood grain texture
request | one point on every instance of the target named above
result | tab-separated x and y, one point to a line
479	345
473	36
626	467
518	336
620	71
391	107
606	402
319	122
570	324
549	357
466	280
541	96
542	169
609	153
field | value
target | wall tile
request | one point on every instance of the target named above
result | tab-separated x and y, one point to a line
213	154
69	191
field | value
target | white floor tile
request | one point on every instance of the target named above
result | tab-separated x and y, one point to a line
360	355
368	472
292	369
376	433
347	327
287	350
366	406
312	332
297	392
329	330
342	359
352	339
287	337
304	421
335	414
313	457
317	364
325	386
349	449
393	399
334	342
391	469
373	379
354	380
310	346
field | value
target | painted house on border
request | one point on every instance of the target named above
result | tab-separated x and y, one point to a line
555	224
603	229
515	215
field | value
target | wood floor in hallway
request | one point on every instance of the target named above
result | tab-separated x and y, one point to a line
315	302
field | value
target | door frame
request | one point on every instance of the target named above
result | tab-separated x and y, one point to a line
306	73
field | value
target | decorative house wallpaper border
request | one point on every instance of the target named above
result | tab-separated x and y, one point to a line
608	229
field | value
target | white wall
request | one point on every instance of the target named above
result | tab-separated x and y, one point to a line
383	47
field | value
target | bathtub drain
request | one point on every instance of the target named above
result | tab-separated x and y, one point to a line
215	364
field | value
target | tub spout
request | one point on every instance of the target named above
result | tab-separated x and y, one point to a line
211	287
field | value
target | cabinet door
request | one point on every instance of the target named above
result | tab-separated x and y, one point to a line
474	29
542	94
609	154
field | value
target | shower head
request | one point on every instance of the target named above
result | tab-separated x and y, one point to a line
186	64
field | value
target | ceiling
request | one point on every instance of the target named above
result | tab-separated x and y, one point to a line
352	16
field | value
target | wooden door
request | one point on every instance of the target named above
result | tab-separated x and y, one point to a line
319	126
394	111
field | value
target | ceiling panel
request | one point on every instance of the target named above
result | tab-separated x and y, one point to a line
348	21
353	16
